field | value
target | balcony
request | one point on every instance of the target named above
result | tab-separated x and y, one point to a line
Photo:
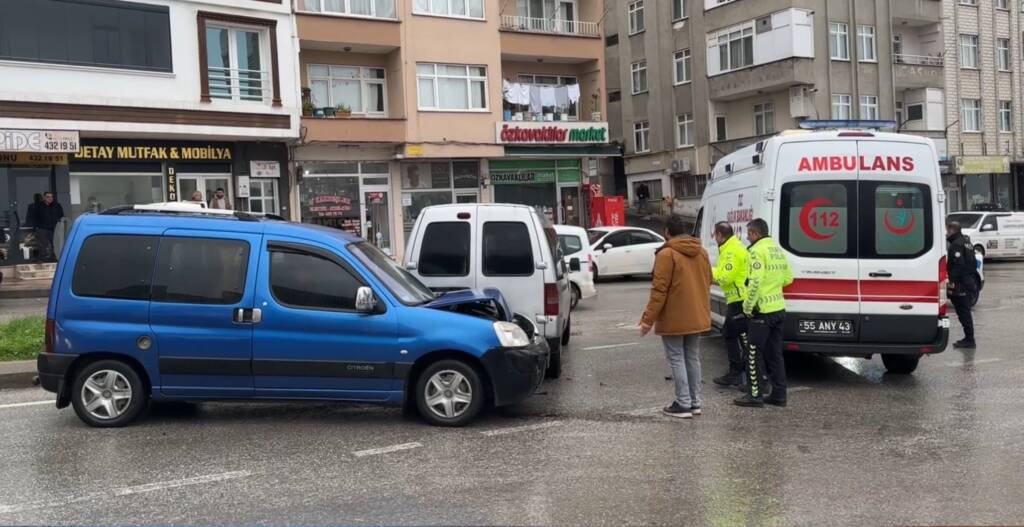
916	12
919	71
755	80
352	130
576	28
331	31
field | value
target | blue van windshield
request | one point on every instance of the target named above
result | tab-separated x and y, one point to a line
401	283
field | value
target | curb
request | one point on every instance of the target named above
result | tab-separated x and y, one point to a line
24	293
17	374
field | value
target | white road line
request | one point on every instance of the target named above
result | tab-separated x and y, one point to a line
386	449
643	411
798	389
30	403
972	362
124	491
516	429
610	346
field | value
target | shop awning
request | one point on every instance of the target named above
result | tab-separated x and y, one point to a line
563	151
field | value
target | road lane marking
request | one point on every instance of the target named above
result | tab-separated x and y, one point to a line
125	491
386	449
643	411
517	429
30	403
972	362
610	346
798	389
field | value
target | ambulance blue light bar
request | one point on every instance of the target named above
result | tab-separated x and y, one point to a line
847	124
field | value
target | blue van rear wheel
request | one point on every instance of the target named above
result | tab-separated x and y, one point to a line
108	393
449	393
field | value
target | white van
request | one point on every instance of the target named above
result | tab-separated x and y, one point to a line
860	215
994	234
579	256
508	247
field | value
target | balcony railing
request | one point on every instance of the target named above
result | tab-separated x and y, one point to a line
918	60
239	84
549	25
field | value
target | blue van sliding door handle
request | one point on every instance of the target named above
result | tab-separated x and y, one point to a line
248	316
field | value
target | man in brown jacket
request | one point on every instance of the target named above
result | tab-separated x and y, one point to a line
679	310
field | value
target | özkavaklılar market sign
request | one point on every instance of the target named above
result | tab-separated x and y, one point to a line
153	152
547	132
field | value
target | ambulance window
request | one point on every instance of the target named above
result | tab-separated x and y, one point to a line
900	224
815	219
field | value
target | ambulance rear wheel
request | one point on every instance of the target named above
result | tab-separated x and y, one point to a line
900	364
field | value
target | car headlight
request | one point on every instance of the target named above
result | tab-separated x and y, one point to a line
511	335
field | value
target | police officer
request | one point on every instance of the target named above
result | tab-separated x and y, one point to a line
963	280
730	273
766	308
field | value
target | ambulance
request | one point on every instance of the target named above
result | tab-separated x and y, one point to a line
860	215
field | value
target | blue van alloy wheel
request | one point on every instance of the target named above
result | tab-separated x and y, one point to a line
449	393
108	393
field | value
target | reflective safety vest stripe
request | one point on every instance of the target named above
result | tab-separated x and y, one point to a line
732	269
769	274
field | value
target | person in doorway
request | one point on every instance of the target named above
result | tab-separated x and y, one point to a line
48	216
765	308
679	310
962	266
730	274
197	196
220	200
32	211
642	195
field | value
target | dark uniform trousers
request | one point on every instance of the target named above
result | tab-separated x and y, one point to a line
734	327
961	296
764	354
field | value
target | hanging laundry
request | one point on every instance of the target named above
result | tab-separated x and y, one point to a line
547	96
562	98
508	92
535	104
524	94
574	93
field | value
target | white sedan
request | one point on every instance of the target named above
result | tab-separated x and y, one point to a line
624	251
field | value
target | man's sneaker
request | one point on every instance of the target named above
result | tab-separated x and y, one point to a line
749	402
677	410
781	403
965	344
696	411
732	378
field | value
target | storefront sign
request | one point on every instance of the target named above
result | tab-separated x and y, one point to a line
242	186
38	141
551	133
172	185
982	165
521	178
33	159
154	152
265	168
413	150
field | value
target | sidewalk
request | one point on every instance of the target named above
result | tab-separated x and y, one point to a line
17	374
11	287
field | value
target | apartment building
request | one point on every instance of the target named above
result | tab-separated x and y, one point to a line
697	79
109	102
412	103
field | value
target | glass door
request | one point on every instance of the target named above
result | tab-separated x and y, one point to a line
21	192
567	15
206	185
569	205
376	212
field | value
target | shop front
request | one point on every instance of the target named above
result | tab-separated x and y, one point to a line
32	163
983	183
353	196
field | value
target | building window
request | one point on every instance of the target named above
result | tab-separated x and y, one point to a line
360	89
454	8
968	2
764	118
869	107
564	107
866	43
841	107
1005	116
721	128
681	61
639	76
684	130
642	136
235	66
970	115
969	51
1002	4
368	8
839	41
263	196
680	10
636	17
736	49
451	87
1003	54
899	114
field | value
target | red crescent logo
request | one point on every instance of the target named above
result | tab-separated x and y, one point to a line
805	218
900	231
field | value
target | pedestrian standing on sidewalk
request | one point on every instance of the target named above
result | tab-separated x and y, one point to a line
679	310
962	266
48	216
730	274
765	307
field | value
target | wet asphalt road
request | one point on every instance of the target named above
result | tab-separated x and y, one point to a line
855	447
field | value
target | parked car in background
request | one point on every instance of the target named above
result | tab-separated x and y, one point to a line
579	258
624	251
511	248
206	304
994	234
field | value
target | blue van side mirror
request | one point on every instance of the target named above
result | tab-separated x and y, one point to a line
366	302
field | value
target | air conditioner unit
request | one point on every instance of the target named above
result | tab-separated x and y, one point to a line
801	102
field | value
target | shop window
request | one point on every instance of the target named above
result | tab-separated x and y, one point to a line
437	183
200	271
129	279
445	250
263	196
123	35
363	90
95	193
307	281
507	249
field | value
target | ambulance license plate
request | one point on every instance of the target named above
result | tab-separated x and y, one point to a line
833	328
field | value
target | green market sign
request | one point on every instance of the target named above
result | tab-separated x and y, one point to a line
525	172
551	133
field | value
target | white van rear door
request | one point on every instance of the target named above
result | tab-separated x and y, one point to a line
901	242
442	255
816	223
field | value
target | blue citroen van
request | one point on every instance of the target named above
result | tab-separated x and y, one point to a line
169	302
